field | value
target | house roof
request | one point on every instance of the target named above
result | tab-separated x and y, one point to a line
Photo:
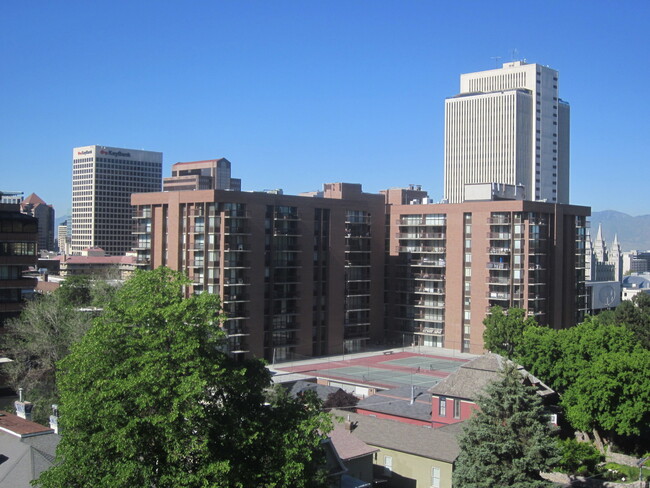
397	401
348	445
68	260
24	458
19	427
470	380
323	391
400	436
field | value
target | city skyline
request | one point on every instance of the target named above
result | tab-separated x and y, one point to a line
296	95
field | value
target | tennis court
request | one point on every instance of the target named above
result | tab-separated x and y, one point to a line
384	370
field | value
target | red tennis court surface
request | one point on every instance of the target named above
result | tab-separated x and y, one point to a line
385	370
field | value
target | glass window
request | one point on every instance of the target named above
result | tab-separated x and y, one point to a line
442	409
456	408
435	477
388	465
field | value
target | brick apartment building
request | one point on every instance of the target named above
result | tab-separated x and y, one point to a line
448	264
298	275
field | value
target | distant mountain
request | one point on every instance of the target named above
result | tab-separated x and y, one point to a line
633	232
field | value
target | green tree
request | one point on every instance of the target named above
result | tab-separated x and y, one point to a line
507	442
75	290
42	335
578	458
635	315
341	399
601	371
504	330
149	398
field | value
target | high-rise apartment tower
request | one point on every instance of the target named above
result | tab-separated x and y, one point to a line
508	126
103	179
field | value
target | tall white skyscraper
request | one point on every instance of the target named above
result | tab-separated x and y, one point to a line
508	126
103	179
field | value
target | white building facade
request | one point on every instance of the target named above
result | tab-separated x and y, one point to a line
508	126
103	179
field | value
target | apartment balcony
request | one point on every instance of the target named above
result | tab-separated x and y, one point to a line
235	248
286	233
500	266
236	263
422	249
429	290
502	220
142	214
498	295
428	304
198	229
430	263
285	217
429	276
498	280
421	222
430	331
235	282
421	235
141	229
235	297
536	267
499	235
505	251
536	298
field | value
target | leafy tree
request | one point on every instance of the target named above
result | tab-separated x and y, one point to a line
578	458
340	399
149	398
635	315
75	290
601	372
35	341
507	441
504	330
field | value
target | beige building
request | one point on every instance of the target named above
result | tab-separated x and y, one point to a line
508	126
103	179
408	455
212	174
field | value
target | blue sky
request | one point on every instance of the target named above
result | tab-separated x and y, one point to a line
299	93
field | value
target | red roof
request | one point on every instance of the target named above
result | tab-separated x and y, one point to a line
20	427
33	199
97	259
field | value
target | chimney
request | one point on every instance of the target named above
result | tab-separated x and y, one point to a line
54	419
23	409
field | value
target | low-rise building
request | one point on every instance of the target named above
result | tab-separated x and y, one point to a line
454	399
404	404
407	455
94	262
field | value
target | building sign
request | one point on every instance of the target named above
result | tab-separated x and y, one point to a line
118	154
81	153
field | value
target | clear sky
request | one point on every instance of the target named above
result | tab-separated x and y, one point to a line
299	93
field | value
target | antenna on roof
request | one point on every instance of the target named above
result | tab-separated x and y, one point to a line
515	54
496	60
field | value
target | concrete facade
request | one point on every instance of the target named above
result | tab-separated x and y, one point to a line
103	179
508	126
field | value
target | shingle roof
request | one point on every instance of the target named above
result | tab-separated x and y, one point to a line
348	445
471	378
322	391
397	401
403	437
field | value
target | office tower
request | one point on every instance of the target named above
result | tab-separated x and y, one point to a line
18	237
298	275
213	174
103	179
63	238
35	206
508	126
450	263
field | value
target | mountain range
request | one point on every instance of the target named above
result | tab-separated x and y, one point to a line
633	232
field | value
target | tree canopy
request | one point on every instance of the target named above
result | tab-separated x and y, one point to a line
150	398
504	330
601	371
35	341
506	442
